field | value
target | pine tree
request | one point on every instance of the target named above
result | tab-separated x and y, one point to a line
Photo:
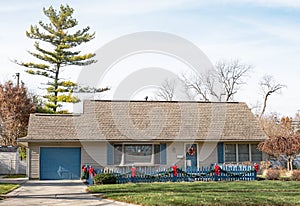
59	41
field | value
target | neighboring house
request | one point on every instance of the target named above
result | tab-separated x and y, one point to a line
153	134
10	162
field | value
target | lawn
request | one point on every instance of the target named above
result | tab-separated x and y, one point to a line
6	188
14	176
204	193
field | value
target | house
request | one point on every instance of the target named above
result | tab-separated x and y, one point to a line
113	134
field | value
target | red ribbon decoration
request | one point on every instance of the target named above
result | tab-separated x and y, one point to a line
256	167
174	167
217	170
133	171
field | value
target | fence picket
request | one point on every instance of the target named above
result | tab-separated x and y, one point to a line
148	174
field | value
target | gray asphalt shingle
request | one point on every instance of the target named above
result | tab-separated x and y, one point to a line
149	120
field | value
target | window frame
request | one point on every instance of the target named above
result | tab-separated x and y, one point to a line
235	152
237	158
154	156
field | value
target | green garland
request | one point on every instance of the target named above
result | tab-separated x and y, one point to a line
237	175
184	173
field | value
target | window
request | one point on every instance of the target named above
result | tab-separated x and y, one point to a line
138	154
126	154
117	154
242	153
230	153
256	155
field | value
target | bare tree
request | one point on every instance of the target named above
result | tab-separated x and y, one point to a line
167	90
269	86
229	75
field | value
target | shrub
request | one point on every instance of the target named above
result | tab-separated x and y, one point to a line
272	174
264	165
105	179
296	175
283	172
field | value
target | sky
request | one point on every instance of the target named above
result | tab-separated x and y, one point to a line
261	33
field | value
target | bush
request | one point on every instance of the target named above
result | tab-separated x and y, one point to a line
105	179
272	174
296	175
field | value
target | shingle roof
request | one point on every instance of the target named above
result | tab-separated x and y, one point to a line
149	120
8	148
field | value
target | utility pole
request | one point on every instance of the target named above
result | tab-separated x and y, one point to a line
18	79
2	133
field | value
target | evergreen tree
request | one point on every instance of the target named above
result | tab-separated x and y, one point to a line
59	41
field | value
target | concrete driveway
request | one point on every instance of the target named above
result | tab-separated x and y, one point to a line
65	192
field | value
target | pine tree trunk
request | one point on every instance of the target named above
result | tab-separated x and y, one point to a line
56	87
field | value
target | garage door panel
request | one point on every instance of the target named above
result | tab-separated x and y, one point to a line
59	163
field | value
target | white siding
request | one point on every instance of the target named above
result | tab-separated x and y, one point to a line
94	153
175	149
208	153
34	169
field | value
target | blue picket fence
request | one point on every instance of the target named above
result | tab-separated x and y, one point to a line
148	175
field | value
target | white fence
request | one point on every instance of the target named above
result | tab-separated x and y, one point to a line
9	166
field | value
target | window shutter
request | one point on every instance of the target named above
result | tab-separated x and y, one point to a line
220	152
110	154
163	154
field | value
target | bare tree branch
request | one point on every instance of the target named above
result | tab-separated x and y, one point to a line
167	90
197	85
269	86
210	82
231	75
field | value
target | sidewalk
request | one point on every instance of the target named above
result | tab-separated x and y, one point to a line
13	180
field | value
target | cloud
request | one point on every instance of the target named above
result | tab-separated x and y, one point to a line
262	3
282	29
115	7
277	3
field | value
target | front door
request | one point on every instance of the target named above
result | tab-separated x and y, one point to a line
191	156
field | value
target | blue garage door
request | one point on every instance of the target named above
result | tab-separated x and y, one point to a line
58	163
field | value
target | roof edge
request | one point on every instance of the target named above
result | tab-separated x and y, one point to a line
139	140
157	101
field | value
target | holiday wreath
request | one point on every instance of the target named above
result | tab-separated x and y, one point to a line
191	150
